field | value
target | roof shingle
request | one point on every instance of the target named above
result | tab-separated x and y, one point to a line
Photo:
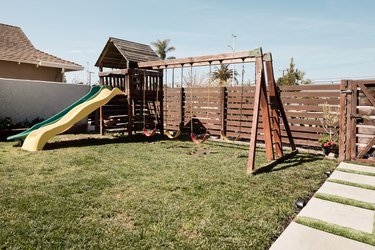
117	53
16	47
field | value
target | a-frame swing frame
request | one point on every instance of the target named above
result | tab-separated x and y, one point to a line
263	102
271	124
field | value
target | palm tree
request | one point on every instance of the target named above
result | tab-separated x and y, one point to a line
162	48
223	74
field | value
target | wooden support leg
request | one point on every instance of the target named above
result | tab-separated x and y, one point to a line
254	124
101	120
273	91
130	117
266	121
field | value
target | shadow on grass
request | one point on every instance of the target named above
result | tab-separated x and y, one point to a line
84	142
295	161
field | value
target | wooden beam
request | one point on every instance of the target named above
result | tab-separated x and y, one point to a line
182	112
367	148
343	122
254	126
349	140
266	120
129	89
222	109
203	60
353	129
114	72
276	131
161	102
367	93
101	120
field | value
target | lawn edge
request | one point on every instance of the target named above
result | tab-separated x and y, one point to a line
345	201
346	232
353	184
351	171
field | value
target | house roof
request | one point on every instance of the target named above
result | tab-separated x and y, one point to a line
119	54
16	47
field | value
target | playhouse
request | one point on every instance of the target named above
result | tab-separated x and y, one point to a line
143	88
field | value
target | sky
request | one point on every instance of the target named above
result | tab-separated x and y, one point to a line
328	39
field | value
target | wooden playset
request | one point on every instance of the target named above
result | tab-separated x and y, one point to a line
142	105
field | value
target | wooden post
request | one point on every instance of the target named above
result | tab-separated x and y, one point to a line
182	112
353	132
129	87
348	121
254	126
101	81
101	120
266	120
160	94
223	113
343	120
272	91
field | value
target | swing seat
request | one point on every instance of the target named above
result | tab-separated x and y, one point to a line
149	134
225	138
195	139
170	135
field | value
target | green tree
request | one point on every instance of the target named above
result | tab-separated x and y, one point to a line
162	48
293	76
223	74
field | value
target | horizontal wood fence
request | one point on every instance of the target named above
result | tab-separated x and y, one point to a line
230	110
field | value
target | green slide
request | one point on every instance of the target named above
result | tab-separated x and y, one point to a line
95	90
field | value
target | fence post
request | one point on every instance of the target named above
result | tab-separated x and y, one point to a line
129	86
353	108
182	112
223	113
342	121
160	95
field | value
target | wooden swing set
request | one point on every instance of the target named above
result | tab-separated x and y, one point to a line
267	104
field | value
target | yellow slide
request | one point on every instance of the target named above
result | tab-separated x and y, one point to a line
38	138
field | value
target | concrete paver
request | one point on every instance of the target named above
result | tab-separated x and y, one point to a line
356	178
355	193
298	236
357	167
339	214
301	237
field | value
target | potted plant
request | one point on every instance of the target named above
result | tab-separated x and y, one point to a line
329	144
330	122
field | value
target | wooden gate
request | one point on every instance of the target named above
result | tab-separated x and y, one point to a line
357	121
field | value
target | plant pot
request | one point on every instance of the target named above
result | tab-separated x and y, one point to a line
326	151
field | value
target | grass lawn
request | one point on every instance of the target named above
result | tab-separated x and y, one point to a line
112	193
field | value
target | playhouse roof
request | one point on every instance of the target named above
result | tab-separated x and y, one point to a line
122	54
16	47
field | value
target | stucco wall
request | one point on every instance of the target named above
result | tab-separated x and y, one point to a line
26	71
24	99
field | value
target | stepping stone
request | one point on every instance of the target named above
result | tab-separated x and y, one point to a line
355	193
339	214
356	178
351	166
297	236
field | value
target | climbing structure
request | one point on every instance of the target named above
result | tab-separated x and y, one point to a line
139	109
